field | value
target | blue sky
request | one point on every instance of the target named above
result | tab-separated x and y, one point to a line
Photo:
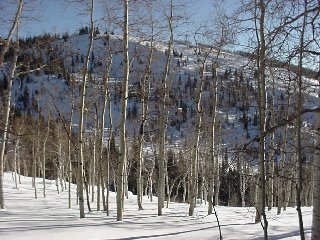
55	16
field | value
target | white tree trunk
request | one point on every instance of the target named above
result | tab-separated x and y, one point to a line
121	173
163	118
11	75
80	146
282	185
34	168
14	27
217	169
106	101
271	158
316	194
15	159
145	89
108	148
93	180
44	156
212	143
243	180
69	155
262	102
299	123
194	156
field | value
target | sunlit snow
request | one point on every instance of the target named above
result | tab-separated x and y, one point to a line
49	218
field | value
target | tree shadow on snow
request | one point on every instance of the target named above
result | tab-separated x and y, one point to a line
163	235
287	235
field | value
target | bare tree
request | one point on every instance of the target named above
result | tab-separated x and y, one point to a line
298	120
106	102
202	54
80	145
44	156
124	99
316	194
11	75
145	90
260	11
163	113
13	28
221	38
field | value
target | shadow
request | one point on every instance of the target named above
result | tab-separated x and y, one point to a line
287	235
49	227
163	235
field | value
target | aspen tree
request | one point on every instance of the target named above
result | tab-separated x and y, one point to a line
44	156
121	171
282	195
271	157
243	180
11	75
298	121
16	149
19	124
105	102
316	194
12	30
34	162
93	181
223	37
163	114
145	89
108	148
80	145
262	98
69	153
316	164
212	162
199	111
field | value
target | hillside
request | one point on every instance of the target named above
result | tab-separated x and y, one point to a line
237	90
158	119
49	94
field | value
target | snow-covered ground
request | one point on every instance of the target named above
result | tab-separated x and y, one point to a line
49	218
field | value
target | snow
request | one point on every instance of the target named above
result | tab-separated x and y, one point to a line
49	218
53	93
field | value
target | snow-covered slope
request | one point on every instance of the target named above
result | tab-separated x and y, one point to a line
26	218
237	92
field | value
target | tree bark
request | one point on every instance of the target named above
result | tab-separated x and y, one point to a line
15	159
262	102
105	101
163	118
14	27
316	194
121	173
243	180
80	146
282	185
299	123
108	149
11	75
44	156
69	155
145	89
271	159
194	156
212	164
34	168
93	162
